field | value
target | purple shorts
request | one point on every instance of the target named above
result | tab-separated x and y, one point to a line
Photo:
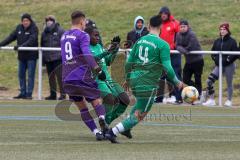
78	90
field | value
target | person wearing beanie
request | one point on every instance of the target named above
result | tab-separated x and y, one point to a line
26	34
224	43
138	31
51	37
168	31
91	23
186	41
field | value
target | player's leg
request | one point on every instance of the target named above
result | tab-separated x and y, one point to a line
76	90
109	100
121	101
100	112
138	112
86	116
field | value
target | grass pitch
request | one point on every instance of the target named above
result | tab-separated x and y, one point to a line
30	130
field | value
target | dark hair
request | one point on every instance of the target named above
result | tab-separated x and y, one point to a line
89	30
90	23
155	21
183	22
76	16
165	10
26	15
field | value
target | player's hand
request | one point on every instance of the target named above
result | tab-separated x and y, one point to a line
102	75
113	48
126	86
116	39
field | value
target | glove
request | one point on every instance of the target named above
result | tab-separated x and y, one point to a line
15	48
116	39
113	48
102	75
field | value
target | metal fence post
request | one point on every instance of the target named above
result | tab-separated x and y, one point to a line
220	79
39	74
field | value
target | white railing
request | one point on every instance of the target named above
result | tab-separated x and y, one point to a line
40	49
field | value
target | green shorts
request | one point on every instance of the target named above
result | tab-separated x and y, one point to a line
109	87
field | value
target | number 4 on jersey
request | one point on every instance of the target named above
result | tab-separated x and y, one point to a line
143	56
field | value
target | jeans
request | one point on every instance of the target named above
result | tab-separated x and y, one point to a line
23	66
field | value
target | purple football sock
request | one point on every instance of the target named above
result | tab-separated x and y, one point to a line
87	119
100	110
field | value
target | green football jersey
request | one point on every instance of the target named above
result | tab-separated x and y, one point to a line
149	57
103	59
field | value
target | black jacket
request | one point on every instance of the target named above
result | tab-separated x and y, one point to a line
133	36
25	38
225	44
186	42
51	38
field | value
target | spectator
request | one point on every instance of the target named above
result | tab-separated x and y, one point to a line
138	31
26	35
224	43
187	41
169	29
51	38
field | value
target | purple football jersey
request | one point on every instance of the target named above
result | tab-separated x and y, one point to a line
77	59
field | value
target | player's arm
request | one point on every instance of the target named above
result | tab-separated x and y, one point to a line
166	62
85	47
113	50
129	63
112	53
128	67
100	56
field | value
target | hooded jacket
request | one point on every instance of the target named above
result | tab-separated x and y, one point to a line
135	34
169	30
186	42
51	37
227	43
25	38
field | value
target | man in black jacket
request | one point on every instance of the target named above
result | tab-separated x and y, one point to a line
51	38
26	35
186	41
